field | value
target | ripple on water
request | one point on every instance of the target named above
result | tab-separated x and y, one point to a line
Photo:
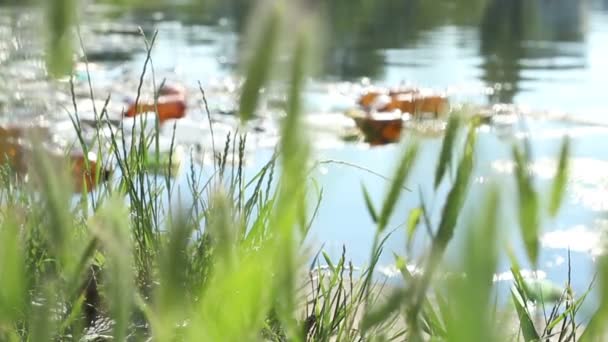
579	238
391	271
526	274
587	183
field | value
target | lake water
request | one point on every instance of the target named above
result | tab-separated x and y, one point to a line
550	56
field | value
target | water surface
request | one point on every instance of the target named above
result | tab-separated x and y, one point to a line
549	56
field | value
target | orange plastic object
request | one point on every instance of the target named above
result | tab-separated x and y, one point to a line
86	178
380	128
415	104
169	107
367	99
171	103
403	91
10	132
407	100
12	152
17	154
12	149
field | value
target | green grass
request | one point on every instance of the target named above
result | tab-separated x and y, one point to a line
231	266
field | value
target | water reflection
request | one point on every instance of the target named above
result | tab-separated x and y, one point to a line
515	33
501	45
526	47
514	36
359	33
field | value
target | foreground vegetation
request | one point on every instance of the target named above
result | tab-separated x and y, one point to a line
122	263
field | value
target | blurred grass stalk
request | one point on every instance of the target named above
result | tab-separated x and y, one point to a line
60	19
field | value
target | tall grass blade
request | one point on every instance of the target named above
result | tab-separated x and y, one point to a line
60	17
236	298
457	194
112	228
572	309
52	180
470	297
561	178
402	172
221	223
234	305
445	232
42	319
413	221
369	204
431	323
381	314
521	301
291	202
173	263
447	148
596	328
259	65
525	320
12	271
528	205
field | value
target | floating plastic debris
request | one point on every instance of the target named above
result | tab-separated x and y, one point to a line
170	104
411	100
380	128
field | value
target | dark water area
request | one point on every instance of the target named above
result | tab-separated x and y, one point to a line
550	56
